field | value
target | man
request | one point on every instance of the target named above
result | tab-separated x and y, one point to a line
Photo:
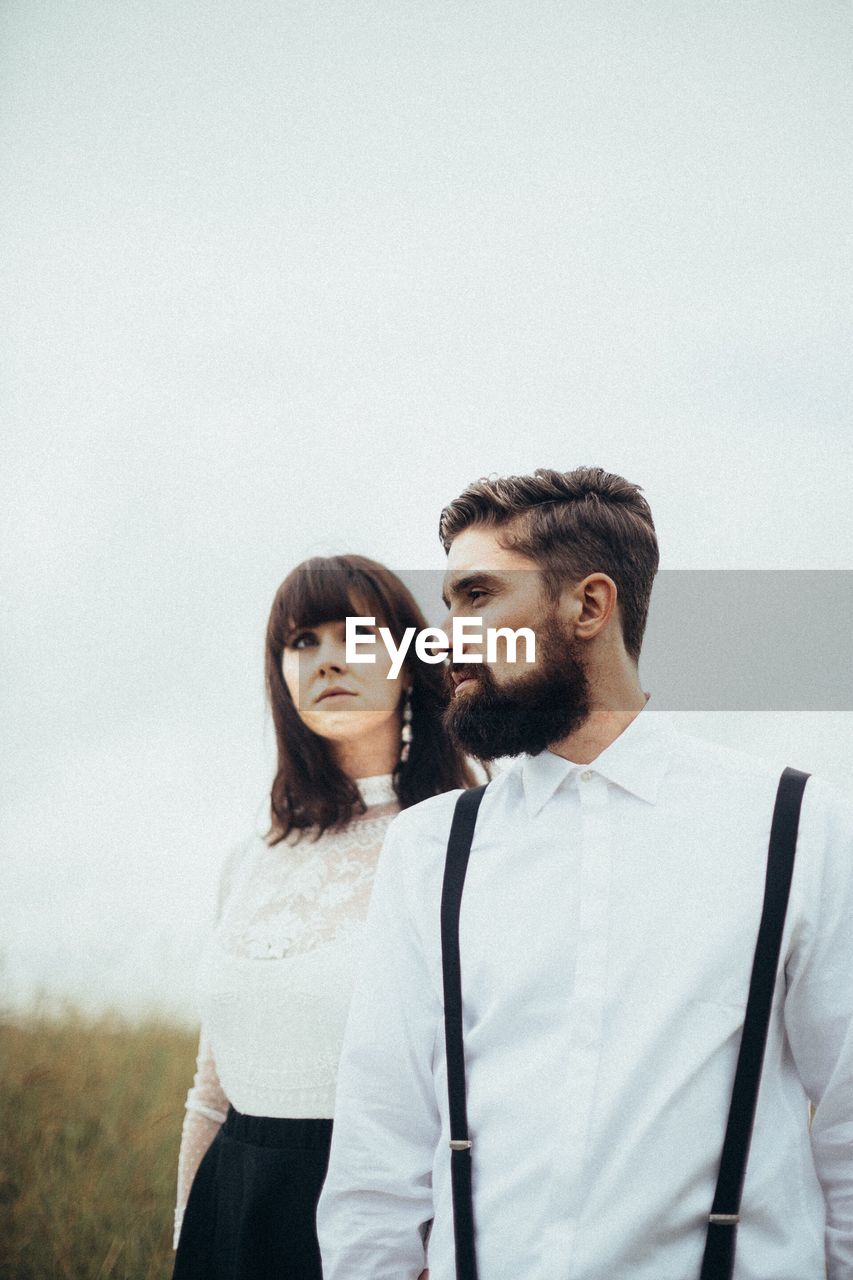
607	928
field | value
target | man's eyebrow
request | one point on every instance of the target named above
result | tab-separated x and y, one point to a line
457	586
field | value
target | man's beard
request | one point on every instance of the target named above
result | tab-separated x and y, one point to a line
526	714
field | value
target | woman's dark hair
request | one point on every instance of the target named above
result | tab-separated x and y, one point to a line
310	789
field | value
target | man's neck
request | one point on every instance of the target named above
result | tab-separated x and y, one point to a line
602	726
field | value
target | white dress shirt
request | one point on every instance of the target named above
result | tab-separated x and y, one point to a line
607	931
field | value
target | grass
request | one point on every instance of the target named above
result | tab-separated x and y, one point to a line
90	1119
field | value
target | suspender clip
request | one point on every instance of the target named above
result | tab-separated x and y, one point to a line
724	1219
459	1144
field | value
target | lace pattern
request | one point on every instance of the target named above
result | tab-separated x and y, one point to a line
306	892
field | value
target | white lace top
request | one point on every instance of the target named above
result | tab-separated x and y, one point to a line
276	976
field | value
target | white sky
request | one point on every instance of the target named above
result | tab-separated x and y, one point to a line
283	278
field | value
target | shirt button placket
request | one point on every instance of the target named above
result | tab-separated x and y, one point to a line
587	1006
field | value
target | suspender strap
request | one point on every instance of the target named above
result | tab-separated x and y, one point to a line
719	1257
458	849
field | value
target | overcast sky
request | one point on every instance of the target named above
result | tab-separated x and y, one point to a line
282	278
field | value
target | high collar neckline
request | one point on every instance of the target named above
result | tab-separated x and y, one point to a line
377	789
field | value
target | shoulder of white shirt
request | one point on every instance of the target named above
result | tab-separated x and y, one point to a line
434	815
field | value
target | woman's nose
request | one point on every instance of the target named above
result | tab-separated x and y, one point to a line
331	658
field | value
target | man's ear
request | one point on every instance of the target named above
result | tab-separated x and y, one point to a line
595	599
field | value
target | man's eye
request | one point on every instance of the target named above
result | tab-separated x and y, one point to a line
474	593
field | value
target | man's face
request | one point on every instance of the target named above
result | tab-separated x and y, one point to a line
504	708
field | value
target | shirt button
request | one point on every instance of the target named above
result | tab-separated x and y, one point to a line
586	776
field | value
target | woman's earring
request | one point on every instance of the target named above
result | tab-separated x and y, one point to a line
406	734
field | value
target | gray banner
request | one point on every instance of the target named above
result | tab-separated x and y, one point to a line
733	640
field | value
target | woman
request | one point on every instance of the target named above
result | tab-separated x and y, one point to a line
353	748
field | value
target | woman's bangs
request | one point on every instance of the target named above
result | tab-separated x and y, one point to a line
318	595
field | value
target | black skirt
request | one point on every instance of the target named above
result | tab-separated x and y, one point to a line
252	1206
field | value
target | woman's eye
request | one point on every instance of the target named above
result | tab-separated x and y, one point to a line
301	641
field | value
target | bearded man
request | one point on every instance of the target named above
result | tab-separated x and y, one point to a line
606	937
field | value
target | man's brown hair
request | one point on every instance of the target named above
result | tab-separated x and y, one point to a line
573	523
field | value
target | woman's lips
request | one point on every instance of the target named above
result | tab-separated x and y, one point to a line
336	693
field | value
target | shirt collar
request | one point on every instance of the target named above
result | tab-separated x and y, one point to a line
636	761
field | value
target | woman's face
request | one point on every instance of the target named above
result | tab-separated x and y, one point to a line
333	699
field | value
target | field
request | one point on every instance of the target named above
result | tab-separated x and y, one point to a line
90	1118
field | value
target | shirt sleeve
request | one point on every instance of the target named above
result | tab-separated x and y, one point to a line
377	1200
206	1104
206	1108
819	1008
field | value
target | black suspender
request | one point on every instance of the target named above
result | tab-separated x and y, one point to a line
458	848
718	1261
